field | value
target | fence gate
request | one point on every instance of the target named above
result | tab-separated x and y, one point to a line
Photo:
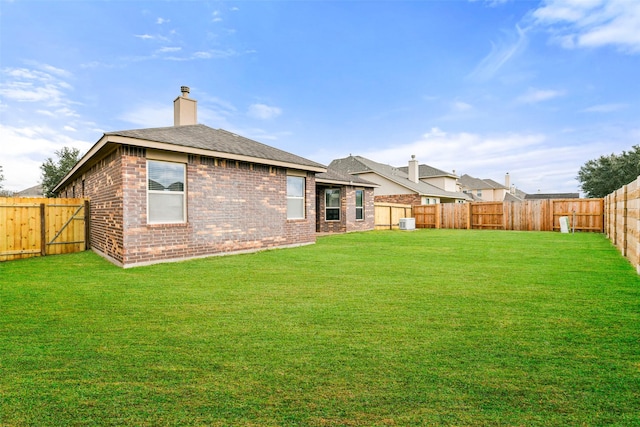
37	227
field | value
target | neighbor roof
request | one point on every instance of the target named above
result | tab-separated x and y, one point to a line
333	176
357	164
426	171
467	181
200	140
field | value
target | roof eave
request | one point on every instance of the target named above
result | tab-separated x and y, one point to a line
124	140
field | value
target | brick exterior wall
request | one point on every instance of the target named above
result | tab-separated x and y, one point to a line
347	222
231	207
102	184
403	199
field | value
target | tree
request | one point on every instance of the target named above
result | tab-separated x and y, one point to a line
606	174
53	172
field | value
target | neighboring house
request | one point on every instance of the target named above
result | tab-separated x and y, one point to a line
187	191
395	185
543	196
488	190
344	203
437	177
35	191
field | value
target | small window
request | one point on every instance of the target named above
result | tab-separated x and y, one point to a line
359	204
166	192
479	193
332	204
295	197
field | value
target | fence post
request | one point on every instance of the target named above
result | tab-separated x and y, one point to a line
625	216
43	231
87	225
469	210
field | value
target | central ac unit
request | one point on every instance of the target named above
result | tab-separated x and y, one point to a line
407	224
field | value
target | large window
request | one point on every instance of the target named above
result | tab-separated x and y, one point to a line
166	192
359	204
295	197
332	204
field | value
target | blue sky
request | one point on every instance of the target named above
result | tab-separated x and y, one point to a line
533	88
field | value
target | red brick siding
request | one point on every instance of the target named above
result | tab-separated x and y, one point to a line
404	199
347	220
103	186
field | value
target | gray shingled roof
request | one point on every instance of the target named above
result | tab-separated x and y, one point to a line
467	181
333	175
218	140
358	164
426	171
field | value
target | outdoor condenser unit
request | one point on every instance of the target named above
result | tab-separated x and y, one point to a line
407	224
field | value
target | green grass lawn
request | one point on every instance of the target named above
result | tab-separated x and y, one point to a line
390	328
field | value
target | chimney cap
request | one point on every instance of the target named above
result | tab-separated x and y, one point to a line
184	90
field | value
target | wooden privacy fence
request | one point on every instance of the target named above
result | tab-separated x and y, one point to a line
529	215
387	215
36	227
622	221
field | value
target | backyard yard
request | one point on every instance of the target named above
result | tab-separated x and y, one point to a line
384	328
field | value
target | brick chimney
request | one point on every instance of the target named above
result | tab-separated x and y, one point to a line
185	109
414	176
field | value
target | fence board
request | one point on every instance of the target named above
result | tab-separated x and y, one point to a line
622	221
530	215
37	226
387	215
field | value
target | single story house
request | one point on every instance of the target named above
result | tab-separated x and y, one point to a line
396	185
171	193
344	203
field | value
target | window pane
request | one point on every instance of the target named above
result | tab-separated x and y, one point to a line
332	198
359	213
166	207
165	176
332	214
295	208
359	198
295	186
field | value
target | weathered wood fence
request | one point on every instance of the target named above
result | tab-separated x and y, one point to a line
36	227
530	215
622	221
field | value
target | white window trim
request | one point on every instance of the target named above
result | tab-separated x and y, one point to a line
183	193
303	197
327	208
359	207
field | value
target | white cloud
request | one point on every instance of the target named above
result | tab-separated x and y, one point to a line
533	160
461	106
604	108
263	111
167	49
149	115
533	96
501	53
144	36
24	149
35	86
161	21
592	23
